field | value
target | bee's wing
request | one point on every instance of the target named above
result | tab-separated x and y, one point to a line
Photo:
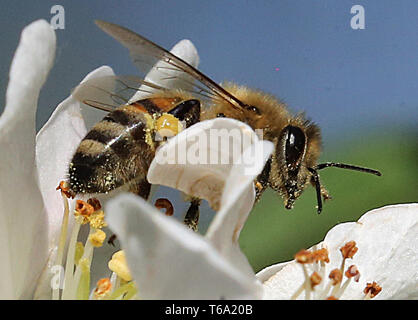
147	53
109	92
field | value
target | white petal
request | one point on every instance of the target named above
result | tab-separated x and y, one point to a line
168	261
268	272
90	114
159	73
198	160
237	201
23	224
387	241
56	143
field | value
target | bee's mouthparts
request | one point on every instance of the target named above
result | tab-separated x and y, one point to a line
289	203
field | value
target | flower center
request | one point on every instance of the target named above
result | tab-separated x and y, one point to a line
74	277
315	286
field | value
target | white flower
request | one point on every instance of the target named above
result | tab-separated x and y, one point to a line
169	261
166	259
387	242
31	210
31	166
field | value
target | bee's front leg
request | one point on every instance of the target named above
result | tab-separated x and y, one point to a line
141	188
261	183
192	216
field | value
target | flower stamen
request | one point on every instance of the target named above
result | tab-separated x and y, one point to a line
315	279
163	203
64	187
103	289
97	238
119	266
371	290
316	261
63	235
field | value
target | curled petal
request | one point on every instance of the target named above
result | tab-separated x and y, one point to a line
169	261
237	201
55	144
199	160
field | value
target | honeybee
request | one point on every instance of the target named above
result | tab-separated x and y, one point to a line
119	149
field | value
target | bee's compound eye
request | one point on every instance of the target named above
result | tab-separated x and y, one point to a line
295	145
253	109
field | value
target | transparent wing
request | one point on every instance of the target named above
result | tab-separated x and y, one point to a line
109	92
167	67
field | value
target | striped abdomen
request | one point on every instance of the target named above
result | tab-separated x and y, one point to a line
118	149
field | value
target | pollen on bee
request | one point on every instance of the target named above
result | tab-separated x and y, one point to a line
168	125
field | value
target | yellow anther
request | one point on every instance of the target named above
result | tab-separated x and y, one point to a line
97	220
119	266
97	238
103	288
168	125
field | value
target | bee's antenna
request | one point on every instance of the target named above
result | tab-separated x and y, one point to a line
346	166
315	177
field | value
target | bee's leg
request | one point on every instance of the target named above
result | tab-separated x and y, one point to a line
262	181
188	111
141	188
325	194
192	216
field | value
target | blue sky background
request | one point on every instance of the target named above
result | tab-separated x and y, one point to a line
344	79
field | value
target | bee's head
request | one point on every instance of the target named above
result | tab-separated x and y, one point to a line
294	164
